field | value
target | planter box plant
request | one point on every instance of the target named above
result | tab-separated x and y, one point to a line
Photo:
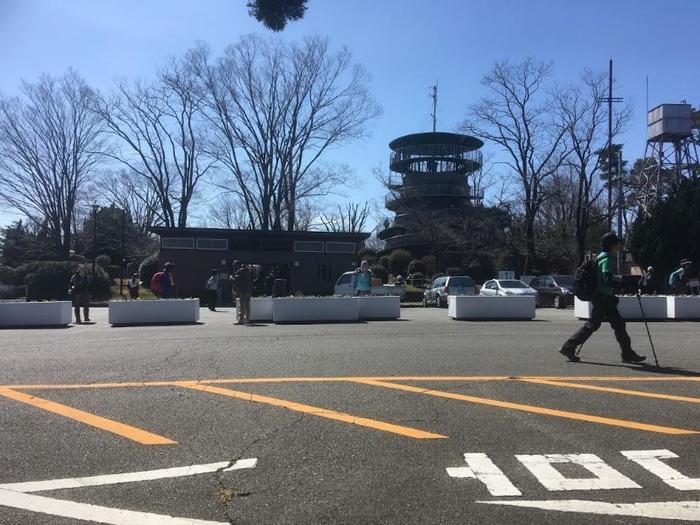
260	308
654	307
380	307
160	311
683	307
315	309
477	307
56	313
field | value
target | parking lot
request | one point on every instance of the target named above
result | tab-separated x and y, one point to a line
422	420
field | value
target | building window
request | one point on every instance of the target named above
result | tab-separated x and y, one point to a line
340	247
212	244
177	243
308	246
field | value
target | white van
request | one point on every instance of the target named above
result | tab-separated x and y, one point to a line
344	287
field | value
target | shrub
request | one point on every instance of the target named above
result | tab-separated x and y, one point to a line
367	254
380	273
429	264
416	266
76	257
103	260
148	267
398	261
384	262
8	275
50	280
453	270
114	271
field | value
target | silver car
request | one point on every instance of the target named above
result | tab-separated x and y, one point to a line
437	294
506	287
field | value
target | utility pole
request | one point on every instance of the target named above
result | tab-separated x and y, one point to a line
95	207
433	95
620	202
610	99
123	257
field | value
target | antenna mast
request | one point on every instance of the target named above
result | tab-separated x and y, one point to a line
433	95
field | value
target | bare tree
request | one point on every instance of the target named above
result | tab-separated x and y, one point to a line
227	212
125	189
583	116
161	138
516	115
276	109
350	217
50	144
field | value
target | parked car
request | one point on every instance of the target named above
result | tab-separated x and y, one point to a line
441	287
343	286
554	290
506	287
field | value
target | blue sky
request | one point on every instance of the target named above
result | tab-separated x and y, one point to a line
405	45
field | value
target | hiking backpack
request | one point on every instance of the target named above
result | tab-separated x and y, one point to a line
157	283
586	280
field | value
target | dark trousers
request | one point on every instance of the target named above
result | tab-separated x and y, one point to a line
212	297
604	309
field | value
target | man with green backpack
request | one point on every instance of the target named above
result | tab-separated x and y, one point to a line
595	282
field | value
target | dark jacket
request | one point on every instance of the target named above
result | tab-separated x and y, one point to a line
80	283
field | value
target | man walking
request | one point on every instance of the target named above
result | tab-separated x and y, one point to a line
79	290
647	284
243	289
678	280
604	306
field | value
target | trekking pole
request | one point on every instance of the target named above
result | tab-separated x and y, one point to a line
644	317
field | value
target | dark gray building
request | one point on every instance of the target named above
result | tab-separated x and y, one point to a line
309	261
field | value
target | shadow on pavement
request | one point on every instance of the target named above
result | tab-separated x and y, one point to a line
651	369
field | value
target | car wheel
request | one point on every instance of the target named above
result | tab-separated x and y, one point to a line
425	302
557	302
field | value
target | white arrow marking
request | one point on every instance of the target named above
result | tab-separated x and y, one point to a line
665	510
651	460
128	477
15	495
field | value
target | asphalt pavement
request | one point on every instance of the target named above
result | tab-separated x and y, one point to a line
420	420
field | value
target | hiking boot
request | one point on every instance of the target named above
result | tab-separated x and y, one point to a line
570	354
632	357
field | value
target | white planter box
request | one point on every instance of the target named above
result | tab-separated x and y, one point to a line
687	307
288	310
385	307
260	308
654	307
56	313
161	311
480	307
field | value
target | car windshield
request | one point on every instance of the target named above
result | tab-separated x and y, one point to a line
565	280
513	284
461	281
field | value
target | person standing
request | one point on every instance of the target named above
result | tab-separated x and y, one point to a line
134	286
167	281
80	293
647	284
362	280
213	290
678	280
604	306
243	289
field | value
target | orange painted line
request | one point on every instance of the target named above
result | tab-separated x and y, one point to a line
623	391
533	409
253	380
109	425
311	410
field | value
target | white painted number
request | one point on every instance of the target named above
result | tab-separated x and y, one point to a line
606	477
480	466
651	460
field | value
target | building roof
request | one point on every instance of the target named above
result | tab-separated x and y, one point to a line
468	142
210	232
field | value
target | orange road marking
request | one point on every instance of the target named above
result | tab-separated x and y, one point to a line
532	409
253	380
315	411
638	393
129	432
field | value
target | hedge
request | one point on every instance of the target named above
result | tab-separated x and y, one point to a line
50	280
148	267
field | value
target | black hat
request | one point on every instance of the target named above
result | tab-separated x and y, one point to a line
608	240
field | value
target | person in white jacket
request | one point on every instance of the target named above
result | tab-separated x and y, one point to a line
213	290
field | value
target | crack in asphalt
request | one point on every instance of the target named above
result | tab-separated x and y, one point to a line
229	493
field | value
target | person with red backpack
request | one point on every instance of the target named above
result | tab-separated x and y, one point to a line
595	282
162	283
